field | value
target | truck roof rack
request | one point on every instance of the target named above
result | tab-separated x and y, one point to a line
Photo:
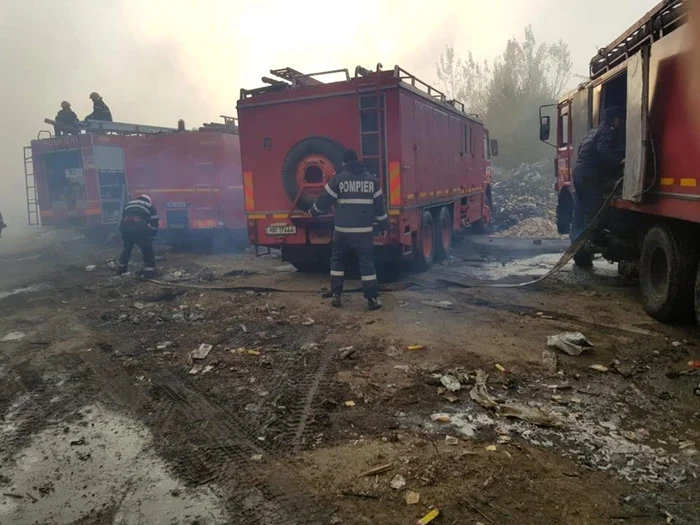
661	20
123	128
229	126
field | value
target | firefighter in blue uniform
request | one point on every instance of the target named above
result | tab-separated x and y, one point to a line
139	226
359	203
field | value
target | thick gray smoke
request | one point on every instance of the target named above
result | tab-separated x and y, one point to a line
62	50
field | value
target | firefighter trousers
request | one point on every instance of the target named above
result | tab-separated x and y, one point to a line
344	246
145	243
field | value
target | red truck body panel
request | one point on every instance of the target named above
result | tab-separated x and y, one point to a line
426	158
194	179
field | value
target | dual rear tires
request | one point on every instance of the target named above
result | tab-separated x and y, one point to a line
434	238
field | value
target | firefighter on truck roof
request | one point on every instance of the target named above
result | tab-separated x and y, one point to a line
100	110
66	120
358	203
139	226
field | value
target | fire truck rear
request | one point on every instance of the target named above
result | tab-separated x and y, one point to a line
432	160
83	180
655	221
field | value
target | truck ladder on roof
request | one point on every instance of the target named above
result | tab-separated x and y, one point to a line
295	77
32	200
372	104
661	20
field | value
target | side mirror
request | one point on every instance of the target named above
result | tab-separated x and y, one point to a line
544	128
494	148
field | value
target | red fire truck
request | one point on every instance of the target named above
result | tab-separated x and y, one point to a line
432	160
83	180
655	221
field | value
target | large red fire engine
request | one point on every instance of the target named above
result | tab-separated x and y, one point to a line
83	180
656	218
432	160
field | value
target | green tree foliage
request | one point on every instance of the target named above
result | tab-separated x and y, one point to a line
509	92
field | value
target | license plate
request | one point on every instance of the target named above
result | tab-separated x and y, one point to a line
286	229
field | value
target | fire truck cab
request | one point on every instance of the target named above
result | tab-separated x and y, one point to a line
655	219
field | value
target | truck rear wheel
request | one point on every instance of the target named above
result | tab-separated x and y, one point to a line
667	271
424	251
443	234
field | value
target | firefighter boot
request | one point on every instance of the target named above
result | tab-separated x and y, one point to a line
337	301
148	273
374	304
122	269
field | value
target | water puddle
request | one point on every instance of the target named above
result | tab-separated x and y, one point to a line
101	464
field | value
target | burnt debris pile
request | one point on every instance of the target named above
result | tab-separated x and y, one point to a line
524	198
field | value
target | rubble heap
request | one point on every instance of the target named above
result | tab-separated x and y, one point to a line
524	193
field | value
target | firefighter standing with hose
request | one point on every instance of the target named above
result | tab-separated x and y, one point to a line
359	203
139	226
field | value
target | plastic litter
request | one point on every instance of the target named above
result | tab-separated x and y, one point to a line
451	383
572	343
202	352
13	336
412	498
90	268
534	415
479	393
398	482
444	305
599	368
350	404
415	347
442	418
430	516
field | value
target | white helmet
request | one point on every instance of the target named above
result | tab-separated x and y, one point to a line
146	198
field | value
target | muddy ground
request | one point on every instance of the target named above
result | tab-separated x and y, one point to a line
107	417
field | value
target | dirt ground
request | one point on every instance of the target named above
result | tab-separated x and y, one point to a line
301	414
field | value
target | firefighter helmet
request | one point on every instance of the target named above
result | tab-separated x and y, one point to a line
146	198
95	95
65	104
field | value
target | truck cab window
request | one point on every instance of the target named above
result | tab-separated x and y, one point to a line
563	129
487	148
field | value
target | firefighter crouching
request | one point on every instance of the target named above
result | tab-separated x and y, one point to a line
2	225
359	202
139	226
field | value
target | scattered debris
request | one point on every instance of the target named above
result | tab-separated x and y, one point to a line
599	368
694	364
164	345
441	417
347	352
398	482
415	347
676	344
381	469
13	336
202	352
412	498
244	329
479	392
256	457
90	268
549	359
491	448
444	305
350	404
449	396
451	440
139	306
534	415
451	383
572	343
196	369
430	516
308	322
501	368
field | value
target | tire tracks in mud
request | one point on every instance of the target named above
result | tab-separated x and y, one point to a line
209	441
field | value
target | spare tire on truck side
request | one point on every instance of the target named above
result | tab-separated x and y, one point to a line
310	161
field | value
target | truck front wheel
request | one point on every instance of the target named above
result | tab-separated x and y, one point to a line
424	250
667	274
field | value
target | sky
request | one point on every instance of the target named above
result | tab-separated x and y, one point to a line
156	61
